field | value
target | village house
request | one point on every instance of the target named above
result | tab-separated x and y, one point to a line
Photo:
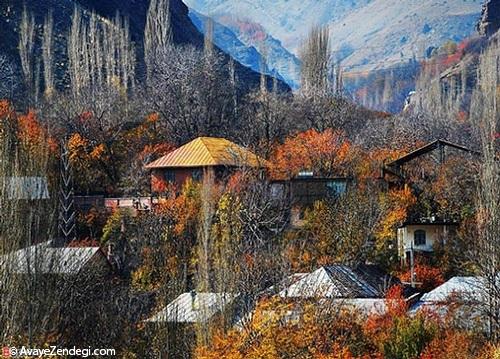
420	238
361	288
194	307
420	235
395	172
203	156
302	191
341	281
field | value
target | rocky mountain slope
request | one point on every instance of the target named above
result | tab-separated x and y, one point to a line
366	34
286	20
249	44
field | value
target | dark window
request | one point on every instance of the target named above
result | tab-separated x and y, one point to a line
196	175
419	237
169	176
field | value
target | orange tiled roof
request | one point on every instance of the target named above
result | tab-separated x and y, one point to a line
208	151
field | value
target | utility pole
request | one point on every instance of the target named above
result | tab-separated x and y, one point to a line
412	267
66	201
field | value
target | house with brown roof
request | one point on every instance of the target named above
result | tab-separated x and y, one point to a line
201	157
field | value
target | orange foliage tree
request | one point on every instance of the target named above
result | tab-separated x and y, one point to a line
30	132
394	333
273	332
395	205
171	246
452	344
326	153
427	276
113	159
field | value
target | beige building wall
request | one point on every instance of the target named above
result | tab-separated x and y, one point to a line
434	233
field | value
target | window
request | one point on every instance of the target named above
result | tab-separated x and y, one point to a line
277	191
419	237
336	188
196	175
169	176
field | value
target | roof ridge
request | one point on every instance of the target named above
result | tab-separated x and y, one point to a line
202	140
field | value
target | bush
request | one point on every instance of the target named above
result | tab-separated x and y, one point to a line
408	338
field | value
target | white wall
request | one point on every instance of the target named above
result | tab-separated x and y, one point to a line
433	234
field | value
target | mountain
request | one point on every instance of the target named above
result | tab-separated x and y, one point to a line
250	45
286	20
226	40
387	31
183	30
365	34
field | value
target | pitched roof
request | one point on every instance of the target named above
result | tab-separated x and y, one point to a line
208	151
459	288
45	259
193	307
461	300
341	281
431	146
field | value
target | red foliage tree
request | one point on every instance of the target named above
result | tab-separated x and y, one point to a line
427	277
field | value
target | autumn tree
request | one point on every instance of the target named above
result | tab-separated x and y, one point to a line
265	119
315	56
8	78
486	114
48	55
157	33
190	100
324	153
339	229
109	60
26	50
315	332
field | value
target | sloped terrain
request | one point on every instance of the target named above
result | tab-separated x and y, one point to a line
184	32
249	44
365	34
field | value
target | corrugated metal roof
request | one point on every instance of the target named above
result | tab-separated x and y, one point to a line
208	151
340	281
45	259
459	288
461	300
192	307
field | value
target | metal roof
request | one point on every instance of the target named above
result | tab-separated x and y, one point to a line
461	300
428	148
45	259
193	307
208	151
341	281
468	288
